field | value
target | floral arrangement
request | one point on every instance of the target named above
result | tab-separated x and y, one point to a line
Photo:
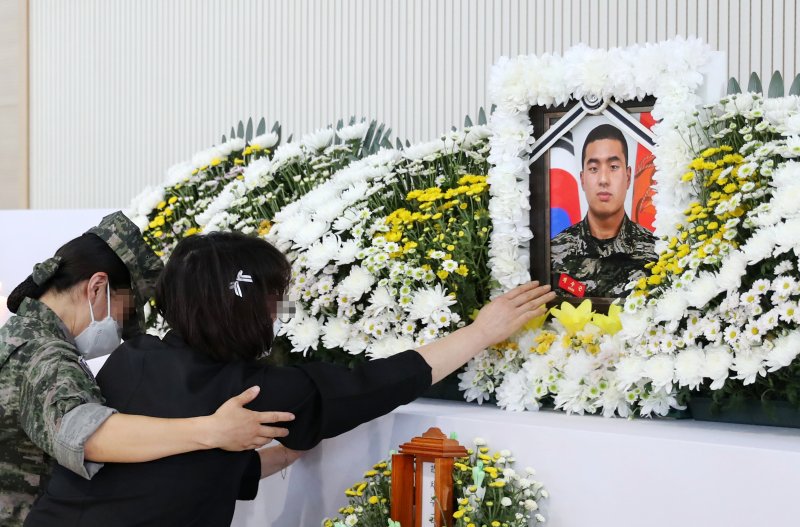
487	489
388	254
721	303
577	381
394	248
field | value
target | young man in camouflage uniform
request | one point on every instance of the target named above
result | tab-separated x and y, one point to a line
605	250
50	405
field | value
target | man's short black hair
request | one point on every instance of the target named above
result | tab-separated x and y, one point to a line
198	297
605	131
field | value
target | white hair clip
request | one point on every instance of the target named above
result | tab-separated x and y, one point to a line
241	277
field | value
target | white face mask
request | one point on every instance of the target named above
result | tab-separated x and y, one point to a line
102	336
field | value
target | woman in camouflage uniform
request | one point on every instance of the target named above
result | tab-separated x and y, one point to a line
50	404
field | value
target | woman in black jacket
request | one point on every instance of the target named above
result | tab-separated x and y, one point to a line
220	294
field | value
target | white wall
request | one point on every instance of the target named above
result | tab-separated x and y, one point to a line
122	89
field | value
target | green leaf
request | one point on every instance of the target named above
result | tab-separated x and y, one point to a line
248	135
368	136
481	116
754	85
233	132
733	86
262	127
223	139
240	130
386	142
467	122
795	87
398	144
775	85
376	140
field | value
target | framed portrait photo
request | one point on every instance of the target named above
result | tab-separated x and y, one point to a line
592	190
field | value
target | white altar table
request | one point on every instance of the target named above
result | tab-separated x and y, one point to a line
599	472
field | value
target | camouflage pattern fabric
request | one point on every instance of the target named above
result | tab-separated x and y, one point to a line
41	379
605	267
125	239
42	272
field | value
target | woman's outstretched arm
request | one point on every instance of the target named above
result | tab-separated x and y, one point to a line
126	438
497	321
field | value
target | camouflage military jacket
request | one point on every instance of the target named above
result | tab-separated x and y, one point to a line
605	267
42	378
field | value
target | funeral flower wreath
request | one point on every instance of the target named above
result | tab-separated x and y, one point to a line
394	249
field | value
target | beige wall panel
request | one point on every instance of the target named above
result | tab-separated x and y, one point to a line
13	105
122	89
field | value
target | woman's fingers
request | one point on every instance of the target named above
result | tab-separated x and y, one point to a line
521	289
535	297
275	417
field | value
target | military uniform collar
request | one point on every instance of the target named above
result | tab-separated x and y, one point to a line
32	308
623	242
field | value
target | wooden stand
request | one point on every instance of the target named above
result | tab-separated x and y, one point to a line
431	447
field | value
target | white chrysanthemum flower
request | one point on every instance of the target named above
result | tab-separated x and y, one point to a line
256	173
628	371
304	332
788	311
442	318
205	157
732	270
428	301
514	394
689	367
424	151
233	145
267	140
671	306
717	365
322	253
347	252
449	265
358	282
346	221
381	301
388	346
286	153
703	289
309	232
353	132
318	139
748	366
660	369
784	352
337	333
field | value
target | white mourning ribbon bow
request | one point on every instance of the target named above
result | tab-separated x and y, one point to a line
240	277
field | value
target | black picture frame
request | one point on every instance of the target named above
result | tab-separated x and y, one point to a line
541	118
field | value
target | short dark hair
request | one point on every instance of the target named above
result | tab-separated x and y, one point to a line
81	258
195	297
605	131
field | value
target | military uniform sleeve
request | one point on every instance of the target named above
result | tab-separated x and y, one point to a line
61	406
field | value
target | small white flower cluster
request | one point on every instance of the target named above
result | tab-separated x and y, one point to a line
352	294
485	481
